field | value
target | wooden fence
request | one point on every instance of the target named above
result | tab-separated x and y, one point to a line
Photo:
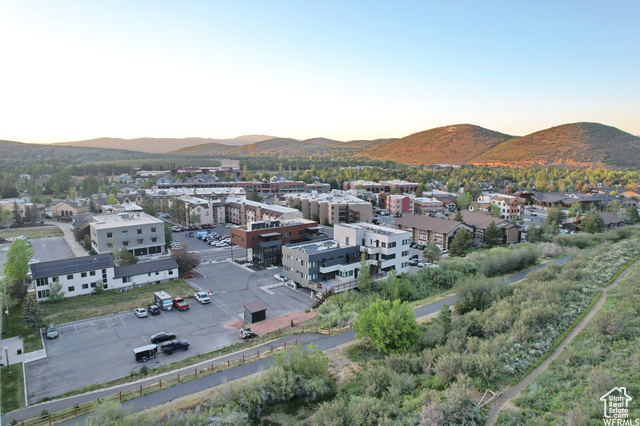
187	375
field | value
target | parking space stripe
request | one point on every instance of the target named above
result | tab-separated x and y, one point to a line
74	326
91	324
122	321
105	320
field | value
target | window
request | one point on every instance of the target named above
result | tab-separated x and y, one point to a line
154	239
286	234
109	234
140	240
139	231
70	276
125	233
71	288
126	279
405	253
153	229
170	271
93	285
92	273
125	243
85	286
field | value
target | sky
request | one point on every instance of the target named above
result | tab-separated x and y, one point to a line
345	70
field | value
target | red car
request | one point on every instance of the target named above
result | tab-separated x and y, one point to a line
180	304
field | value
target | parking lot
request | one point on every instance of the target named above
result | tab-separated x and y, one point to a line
46	249
101	349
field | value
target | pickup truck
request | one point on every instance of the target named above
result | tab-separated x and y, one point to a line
174	345
202	297
180	304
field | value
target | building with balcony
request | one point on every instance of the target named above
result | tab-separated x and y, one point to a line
424	206
207	212
332	208
242	211
334	265
426	229
140	233
264	239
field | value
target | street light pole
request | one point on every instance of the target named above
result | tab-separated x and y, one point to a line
7	312
6	352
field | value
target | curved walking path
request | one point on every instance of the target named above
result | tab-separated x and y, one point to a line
515	391
321	341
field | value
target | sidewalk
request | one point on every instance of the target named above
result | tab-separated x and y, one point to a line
15	344
76	247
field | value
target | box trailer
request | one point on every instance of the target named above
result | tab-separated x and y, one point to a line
163	300
145	353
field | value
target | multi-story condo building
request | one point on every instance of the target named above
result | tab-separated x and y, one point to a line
209	212
140	233
242	211
331	208
389	186
80	275
510	207
424	206
264	239
274	186
425	229
324	265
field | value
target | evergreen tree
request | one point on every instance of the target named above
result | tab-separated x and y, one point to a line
126	258
364	275
632	215
592	222
537	234
31	314
461	243
492	235
458	217
445	318
432	253
55	292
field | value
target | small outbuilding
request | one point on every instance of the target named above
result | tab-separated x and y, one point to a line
255	311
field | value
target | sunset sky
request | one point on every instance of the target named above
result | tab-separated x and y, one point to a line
75	70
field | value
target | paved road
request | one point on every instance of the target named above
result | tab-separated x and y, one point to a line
323	342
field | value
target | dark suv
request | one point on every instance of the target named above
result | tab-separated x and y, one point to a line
163	336
174	345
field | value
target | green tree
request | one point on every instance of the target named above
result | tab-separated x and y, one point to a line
168	235
31	313
90	186
55	292
537	234
492	235
125	257
16	268
461	243
254	196
445	318
575	210
6	217
555	217
364	275
632	215
148	206
464	200
432	252
396	288
194	218
390	326
17	216
86	242
99	288
112	200
458	216
495	210
592	222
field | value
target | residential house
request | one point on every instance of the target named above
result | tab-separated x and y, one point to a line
510	232
426	229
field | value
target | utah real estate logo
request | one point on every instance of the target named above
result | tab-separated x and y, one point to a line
616	408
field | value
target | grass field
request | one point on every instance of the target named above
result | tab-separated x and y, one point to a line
32	233
31	338
12	388
110	302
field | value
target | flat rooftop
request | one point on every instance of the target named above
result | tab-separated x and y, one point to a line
124	219
382	230
318	246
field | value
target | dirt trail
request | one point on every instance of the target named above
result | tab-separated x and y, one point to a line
513	392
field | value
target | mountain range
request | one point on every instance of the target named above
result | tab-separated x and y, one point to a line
576	144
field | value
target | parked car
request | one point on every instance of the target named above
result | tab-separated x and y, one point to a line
279	277
52	331
33	262
202	297
153	310
180	304
247	333
140	312
174	345
444	251
413	262
163	336
415	256
2	240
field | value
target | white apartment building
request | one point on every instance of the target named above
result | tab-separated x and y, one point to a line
80	275
140	233
331	208
209	212
389	247
510	207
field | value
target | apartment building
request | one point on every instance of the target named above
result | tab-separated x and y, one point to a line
510	232
424	206
395	204
510	207
332	208
242	211
426	229
264	239
388	186
323	265
140	233
207	212
80	275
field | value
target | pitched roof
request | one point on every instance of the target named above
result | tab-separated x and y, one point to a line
71	266
482	220
428	223
145	267
610	218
